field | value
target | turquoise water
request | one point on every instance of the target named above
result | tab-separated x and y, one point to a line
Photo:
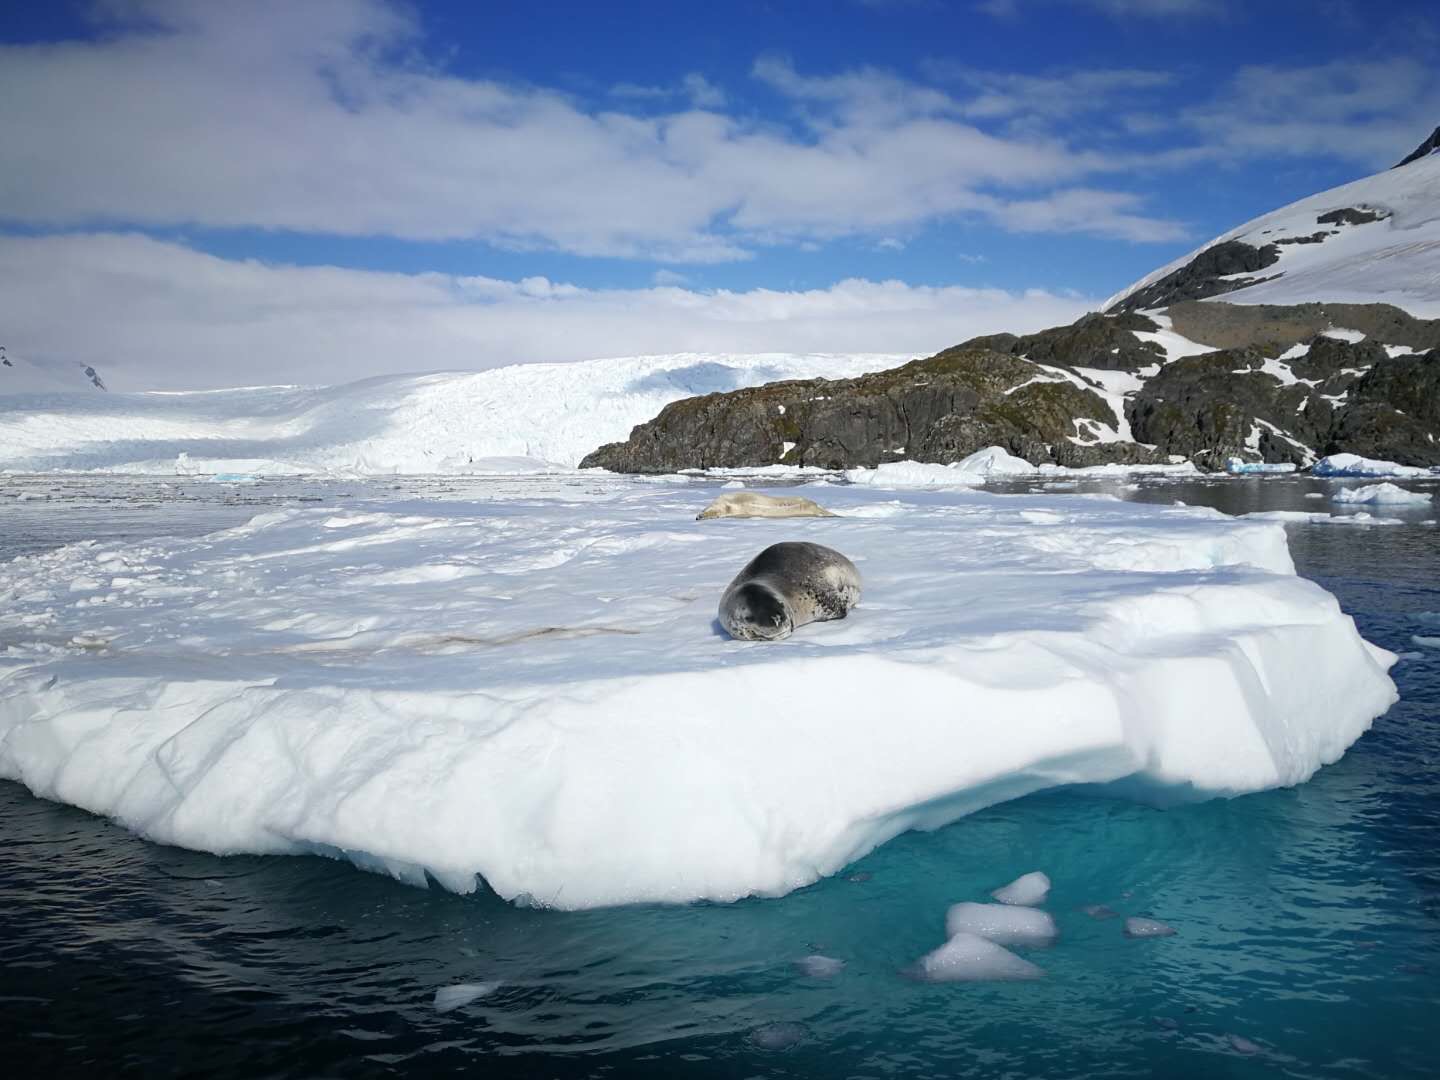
1308	919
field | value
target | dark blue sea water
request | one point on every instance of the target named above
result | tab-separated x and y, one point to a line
1308	919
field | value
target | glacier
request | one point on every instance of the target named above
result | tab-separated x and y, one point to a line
528	692
518	419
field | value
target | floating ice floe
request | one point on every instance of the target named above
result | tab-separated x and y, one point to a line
971	958
1386	492
1136	927
450	998
779	1036
1355	465
529	693
1028	889
1306	517
1246	468
994	463
820	967
1003	924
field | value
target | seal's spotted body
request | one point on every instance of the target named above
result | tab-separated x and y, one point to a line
786	586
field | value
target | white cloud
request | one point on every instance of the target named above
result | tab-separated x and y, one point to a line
1367	111
150	314
324	117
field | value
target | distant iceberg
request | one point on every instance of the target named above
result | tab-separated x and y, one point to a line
1355	465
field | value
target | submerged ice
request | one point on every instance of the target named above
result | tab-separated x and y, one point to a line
530	692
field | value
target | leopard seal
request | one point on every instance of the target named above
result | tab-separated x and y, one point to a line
750	504
786	586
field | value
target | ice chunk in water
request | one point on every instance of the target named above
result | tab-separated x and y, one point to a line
970	958
1028	890
1243	1045
780	1036
1140	928
449	998
1002	924
820	967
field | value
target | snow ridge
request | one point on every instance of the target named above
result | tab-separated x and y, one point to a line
519	418
1393	259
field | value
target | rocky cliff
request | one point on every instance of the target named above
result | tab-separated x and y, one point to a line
1100	390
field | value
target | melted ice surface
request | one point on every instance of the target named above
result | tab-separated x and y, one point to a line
531	690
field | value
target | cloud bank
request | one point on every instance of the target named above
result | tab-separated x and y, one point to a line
156	315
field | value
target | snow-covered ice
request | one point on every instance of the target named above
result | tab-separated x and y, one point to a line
993	463
1246	468
1385	492
1305	517
523	418
1355	465
529	690
1004	924
1028	890
972	958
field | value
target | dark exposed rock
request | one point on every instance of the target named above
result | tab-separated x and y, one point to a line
940	409
1425	149
1344	396
1313	238
1202	276
1352	215
1205	408
1094	341
1235	326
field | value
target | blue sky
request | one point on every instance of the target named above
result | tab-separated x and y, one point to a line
741	161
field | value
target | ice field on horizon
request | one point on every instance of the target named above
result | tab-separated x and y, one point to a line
518	419
531	691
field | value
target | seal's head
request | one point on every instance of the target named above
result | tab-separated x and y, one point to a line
756	613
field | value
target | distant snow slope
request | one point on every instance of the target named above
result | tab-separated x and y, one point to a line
531	688
1395	260
505	419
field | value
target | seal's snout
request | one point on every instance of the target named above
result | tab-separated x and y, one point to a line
757	614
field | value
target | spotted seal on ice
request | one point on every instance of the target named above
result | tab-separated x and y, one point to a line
750	504
786	586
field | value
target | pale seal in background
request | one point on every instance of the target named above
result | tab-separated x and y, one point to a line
788	585
747	504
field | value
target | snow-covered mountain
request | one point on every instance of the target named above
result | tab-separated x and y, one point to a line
1375	240
22	375
519	418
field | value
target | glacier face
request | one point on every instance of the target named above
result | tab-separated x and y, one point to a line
522	418
530	690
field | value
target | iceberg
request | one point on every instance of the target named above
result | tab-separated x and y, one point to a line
1238	467
1355	465
1385	492
529	693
